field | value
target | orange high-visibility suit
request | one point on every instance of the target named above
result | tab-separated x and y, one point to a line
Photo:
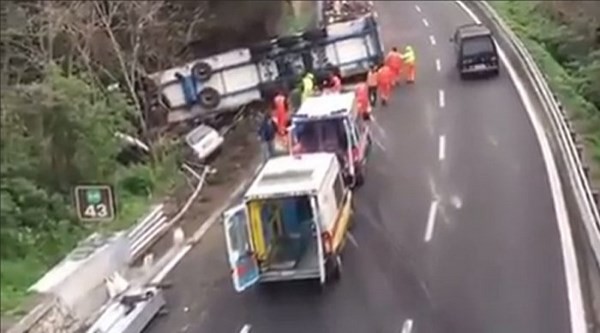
409	61
336	84
281	114
372	84
362	100
385	77
394	61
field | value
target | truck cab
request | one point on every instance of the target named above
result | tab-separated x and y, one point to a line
291	224
330	123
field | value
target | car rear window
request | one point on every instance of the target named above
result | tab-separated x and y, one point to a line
198	134
477	45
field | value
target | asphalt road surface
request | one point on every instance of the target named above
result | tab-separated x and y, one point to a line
455	229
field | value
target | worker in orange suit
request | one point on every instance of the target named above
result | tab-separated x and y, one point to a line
362	101
394	61
409	61
281	113
372	84
335	83
385	78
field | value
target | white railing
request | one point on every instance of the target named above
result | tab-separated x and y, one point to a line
147	230
567	141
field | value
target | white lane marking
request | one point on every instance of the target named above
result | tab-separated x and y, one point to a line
425	22
438	65
418	8
442	152
456	201
378	143
442	98
352	240
246	329
377	126
576	309
493	141
432	39
407	326
431	220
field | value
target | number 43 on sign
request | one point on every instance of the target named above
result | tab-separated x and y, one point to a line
95	202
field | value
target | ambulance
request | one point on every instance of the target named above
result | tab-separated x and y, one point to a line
330	123
291	224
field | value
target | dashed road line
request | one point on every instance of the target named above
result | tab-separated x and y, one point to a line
425	22
438	65
407	326
431	220
442	98
246	329
418	8
442	147
432	39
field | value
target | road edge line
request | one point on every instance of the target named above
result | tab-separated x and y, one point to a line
572	276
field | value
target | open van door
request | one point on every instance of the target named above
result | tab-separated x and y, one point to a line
245	270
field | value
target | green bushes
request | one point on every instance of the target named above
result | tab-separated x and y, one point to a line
568	54
56	133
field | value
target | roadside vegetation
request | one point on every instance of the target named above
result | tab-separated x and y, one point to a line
58	119
564	39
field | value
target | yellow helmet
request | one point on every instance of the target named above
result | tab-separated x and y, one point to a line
409	48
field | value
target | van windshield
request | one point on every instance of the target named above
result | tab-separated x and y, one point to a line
327	135
477	45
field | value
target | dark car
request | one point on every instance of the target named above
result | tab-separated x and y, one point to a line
476	51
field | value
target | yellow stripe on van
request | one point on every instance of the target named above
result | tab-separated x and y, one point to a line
257	235
342	224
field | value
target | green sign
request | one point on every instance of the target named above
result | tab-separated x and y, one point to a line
95	202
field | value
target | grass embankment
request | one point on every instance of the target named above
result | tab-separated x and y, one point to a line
570	62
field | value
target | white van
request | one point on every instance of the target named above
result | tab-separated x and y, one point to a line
292	222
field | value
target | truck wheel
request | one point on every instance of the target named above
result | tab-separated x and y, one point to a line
359	177
209	98
202	71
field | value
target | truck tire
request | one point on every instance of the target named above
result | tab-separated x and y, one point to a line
209	98
288	41
202	71
314	35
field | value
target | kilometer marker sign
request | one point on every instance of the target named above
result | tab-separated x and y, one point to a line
95	203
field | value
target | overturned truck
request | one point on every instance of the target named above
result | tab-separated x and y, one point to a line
228	80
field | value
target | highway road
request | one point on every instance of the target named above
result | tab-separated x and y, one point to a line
456	227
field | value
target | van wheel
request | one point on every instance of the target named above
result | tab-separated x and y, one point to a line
359	178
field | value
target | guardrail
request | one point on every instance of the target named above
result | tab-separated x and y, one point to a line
147	230
587	199
150	228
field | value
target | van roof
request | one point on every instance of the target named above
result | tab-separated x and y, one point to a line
473	30
326	105
285	174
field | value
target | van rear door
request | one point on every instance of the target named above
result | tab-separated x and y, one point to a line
245	270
